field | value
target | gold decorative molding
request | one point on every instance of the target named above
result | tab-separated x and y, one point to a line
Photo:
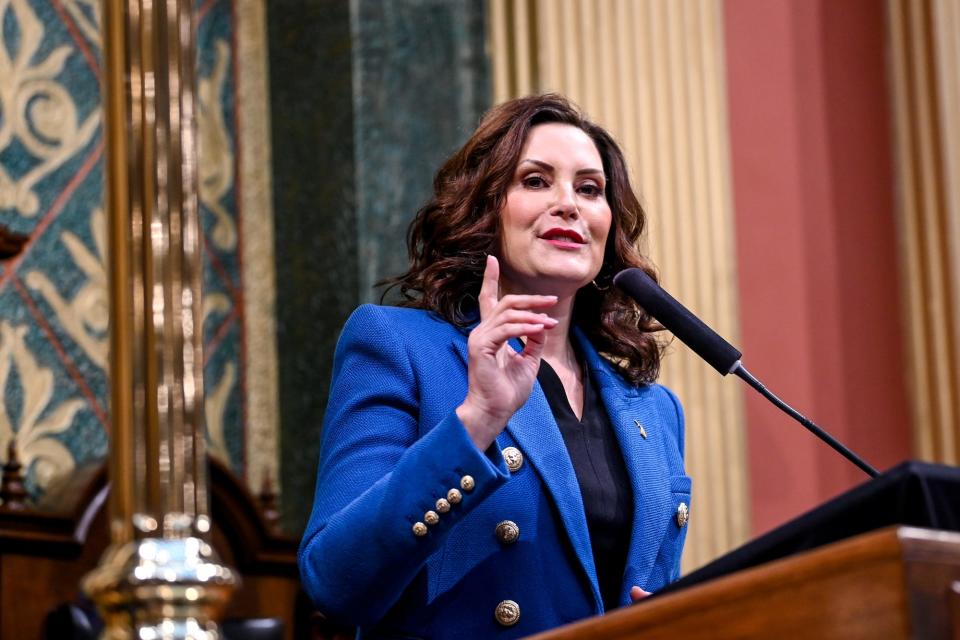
925	72
653	74
256	229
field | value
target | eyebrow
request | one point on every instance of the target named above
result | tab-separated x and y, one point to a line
546	166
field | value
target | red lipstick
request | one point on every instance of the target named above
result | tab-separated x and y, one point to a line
559	233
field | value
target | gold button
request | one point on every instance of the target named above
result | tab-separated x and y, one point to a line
419	529
508	532
683	515
454	496
431	518
467	483
507	613
442	505
513	458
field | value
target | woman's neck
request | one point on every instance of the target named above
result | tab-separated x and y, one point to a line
558	350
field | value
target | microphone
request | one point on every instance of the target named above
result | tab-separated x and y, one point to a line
691	330
719	353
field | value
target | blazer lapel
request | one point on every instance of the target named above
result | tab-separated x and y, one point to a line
537	435
649	475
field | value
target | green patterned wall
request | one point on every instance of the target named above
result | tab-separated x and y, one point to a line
53	296
364	100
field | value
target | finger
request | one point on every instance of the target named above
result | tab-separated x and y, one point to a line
533	349
501	333
490	287
521	315
517	301
637	594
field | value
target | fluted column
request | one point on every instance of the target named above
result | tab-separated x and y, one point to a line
160	578
925	74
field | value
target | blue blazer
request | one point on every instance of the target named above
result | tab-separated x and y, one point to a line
392	445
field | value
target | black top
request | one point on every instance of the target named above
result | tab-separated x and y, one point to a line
602	476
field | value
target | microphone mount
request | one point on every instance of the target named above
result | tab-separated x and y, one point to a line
719	353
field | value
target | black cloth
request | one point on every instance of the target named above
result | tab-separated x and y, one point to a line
602	476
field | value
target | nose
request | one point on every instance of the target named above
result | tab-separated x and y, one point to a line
565	202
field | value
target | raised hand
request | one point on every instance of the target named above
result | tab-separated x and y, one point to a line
500	378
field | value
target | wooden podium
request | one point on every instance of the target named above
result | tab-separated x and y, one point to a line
897	582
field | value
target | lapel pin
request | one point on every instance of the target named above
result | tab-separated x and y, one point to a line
643	432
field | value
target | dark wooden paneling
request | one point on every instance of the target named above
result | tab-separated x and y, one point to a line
46	551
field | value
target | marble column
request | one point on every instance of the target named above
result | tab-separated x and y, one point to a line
367	99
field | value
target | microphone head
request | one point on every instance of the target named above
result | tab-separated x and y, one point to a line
704	341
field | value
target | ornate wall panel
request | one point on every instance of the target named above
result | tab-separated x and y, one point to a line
652	72
53	305
925	73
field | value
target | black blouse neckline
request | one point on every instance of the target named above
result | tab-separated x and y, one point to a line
601	474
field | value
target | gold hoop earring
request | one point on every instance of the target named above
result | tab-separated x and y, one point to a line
598	287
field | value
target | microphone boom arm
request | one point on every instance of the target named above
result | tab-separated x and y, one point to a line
707	343
741	372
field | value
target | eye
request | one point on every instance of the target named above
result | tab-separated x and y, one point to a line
590	190
534	181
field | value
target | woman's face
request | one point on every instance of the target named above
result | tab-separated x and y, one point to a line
555	220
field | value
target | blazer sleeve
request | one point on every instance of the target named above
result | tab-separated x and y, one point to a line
378	476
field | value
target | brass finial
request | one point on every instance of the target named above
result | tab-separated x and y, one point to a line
13	493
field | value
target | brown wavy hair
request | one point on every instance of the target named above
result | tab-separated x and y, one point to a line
452	234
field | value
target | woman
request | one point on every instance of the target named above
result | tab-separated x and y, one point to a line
484	471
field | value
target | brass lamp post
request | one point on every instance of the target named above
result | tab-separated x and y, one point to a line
160	578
